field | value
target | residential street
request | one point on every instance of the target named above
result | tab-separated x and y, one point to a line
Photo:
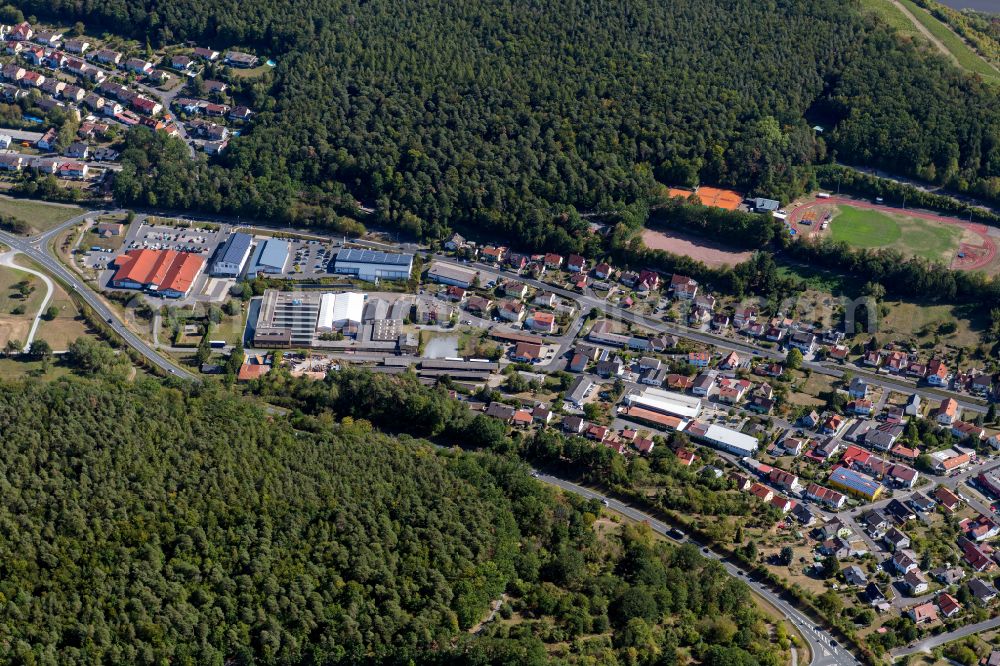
825	651
932	642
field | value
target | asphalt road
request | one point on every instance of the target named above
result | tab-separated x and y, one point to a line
37	248
824	651
822	646
587	302
932	642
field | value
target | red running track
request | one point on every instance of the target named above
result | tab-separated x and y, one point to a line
980	230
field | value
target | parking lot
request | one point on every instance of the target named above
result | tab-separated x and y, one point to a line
310	258
164	237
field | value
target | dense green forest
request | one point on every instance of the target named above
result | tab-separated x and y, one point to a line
505	115
144	524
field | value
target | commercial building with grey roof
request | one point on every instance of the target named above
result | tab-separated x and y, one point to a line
270	257
233	255
372	265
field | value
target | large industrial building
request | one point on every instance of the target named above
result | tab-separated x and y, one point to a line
723	438
337	311
373	265
233	255
270	257
855	483
307	319
457	276
168	273
287	319
665	402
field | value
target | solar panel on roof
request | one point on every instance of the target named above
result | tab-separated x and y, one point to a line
236	248
373	257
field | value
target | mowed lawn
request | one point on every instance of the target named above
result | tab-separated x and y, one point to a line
862	228
38	215
890	14
965	55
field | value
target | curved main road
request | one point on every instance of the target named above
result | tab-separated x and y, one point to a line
36	248
823	647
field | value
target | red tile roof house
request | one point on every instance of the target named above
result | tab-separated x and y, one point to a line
650	279
21	32
523	418
494	254
454	294
937	373
762	492
576	263
975	556
511	310
33	79
784	480
947	413
782	504
947	499
685	457
963	430
730	362
744	316
948	604
543	321
980	529
643	445
526	352
683	287
553	261
602	271
147	106
598	432
924	613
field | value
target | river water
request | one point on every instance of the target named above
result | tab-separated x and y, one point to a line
978	5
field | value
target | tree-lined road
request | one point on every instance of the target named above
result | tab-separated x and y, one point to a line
824	649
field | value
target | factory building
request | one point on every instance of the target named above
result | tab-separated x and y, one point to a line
457	276
233	255
287	319
270	257
339	311
723	438
665	402
373	265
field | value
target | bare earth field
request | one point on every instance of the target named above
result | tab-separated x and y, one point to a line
711	253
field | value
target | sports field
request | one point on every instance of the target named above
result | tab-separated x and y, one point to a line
958	244
912	235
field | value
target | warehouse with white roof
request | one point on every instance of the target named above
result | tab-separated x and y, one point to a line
730	440
372	265
666	402
338	310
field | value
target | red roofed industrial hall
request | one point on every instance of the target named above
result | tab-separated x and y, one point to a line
167	272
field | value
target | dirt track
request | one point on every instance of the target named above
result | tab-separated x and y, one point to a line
704	250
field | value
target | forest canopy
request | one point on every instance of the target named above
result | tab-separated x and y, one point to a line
505	114
144	524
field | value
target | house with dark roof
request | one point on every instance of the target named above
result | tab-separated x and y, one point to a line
896	539
855	576
983	591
